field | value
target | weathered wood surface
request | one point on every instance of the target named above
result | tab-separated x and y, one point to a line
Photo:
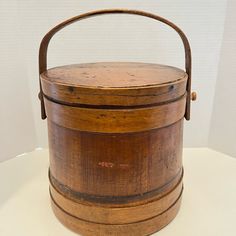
115	139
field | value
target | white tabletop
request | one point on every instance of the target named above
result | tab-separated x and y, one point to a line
208	205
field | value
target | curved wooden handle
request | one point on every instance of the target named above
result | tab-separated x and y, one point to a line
45	41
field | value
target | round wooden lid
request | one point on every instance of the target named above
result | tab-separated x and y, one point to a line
114	75
114	83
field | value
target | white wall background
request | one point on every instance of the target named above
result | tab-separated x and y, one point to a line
107	38
17	127
223	129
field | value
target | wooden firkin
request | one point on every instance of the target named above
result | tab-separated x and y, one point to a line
115	139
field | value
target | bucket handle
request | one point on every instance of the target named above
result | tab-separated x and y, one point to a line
45	42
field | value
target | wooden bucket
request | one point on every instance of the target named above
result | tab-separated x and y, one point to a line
115	140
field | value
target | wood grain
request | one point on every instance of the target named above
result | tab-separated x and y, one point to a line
117	84
115	120
115	139
45	42
123	214
141	228
113	75
115	164
116	170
